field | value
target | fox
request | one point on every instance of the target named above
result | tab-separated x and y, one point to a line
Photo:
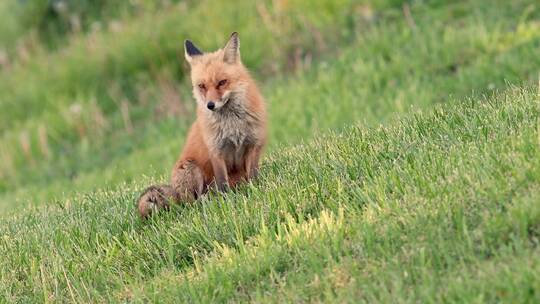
225	142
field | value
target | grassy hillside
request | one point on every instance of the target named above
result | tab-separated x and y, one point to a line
403	162
123	110
439	206
90	105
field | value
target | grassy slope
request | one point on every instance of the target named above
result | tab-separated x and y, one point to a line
369	80
141	66
439	206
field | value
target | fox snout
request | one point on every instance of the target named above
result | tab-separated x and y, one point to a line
215	104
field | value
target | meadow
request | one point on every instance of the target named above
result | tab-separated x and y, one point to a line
403	160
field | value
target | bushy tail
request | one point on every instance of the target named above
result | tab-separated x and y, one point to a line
187	184
154	198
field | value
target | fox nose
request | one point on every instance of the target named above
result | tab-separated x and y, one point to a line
210	105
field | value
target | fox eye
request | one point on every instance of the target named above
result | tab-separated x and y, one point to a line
222	83
202	86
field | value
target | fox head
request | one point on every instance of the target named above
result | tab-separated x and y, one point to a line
218	77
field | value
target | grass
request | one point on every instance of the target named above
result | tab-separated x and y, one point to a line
392	80
77	96
403	163
412	211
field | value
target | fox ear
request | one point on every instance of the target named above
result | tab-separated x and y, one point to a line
232	49
190	50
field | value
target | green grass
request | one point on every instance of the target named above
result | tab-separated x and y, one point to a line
139	69
367	80
439	206
403	163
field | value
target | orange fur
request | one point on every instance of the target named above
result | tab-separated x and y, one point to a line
226	140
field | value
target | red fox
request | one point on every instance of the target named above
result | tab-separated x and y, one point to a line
226	140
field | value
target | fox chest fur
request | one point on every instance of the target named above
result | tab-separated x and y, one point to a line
231	131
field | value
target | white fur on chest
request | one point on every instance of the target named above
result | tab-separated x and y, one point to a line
232	129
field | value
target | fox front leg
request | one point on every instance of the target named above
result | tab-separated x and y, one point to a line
220	173
252	162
